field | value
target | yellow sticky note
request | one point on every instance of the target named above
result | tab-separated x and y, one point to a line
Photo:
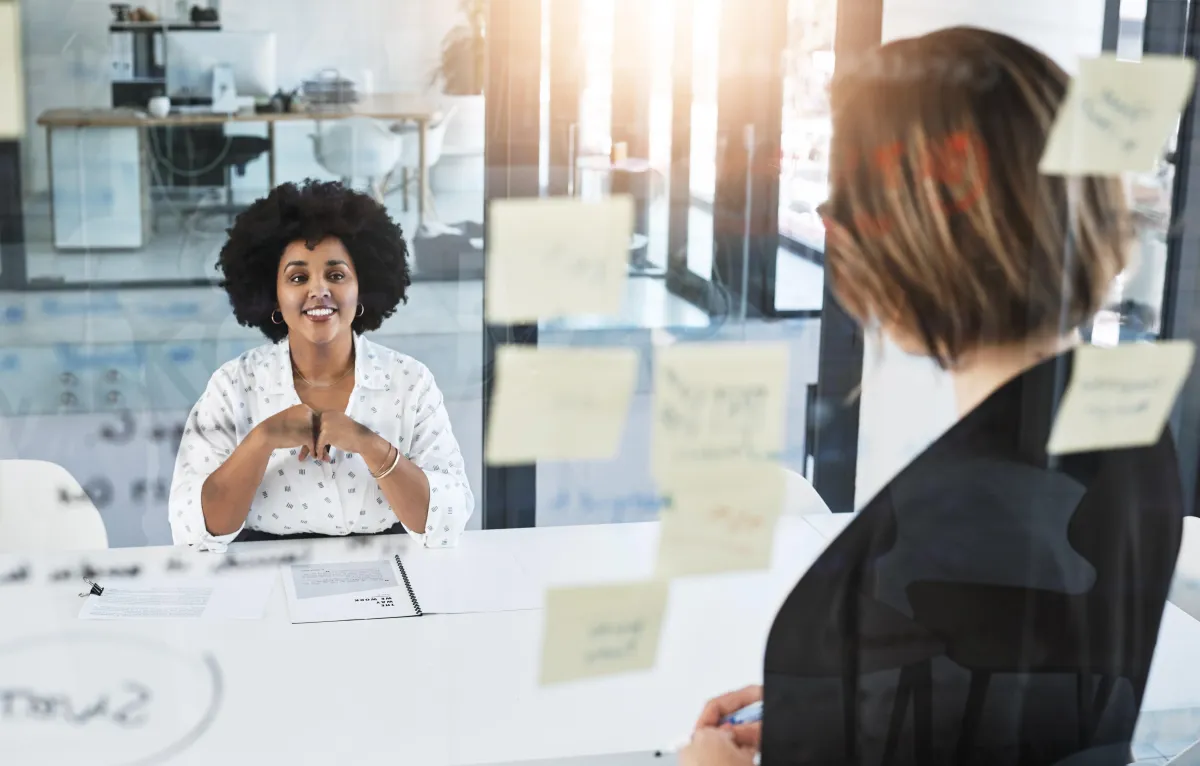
556	256
601	630
559	403
1120	397
718	402
721	518
1118	115
12	94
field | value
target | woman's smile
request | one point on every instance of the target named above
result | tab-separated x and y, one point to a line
320	313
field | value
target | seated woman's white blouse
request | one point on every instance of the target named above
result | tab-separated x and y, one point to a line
394	395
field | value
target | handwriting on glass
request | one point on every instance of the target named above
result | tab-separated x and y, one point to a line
237	562
20	574
103	699
642	503
24	573
956	164
126	707
90	572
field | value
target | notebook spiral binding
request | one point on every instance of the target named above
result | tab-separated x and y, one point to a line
412	595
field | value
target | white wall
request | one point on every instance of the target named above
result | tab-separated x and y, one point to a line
66	49
907	402
1063	29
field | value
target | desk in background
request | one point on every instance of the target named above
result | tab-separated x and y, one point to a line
462	689
120	189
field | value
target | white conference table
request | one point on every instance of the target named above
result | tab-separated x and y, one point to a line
462	689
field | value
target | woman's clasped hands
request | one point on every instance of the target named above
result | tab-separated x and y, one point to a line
315	433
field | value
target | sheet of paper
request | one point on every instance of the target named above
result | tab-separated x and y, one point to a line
718	402
470	578
354	590
556	256
316	580
1118	115
241	596
721	518
601	630
559	403
1120	397
12	92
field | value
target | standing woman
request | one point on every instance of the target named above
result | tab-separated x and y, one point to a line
320	432
992	604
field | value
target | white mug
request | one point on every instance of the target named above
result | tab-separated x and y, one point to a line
160	106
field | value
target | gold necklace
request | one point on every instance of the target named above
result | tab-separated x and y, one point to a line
310	384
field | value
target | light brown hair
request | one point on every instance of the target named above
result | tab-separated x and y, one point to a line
939	223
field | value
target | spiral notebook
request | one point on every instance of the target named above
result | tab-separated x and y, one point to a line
425	582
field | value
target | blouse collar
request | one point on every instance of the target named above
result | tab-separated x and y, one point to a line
368	370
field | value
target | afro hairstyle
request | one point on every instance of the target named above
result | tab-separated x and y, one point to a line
312	212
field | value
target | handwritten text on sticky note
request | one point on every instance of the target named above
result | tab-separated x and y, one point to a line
721	518
559	403
601	630
556	256
1120	397
1118	115
718	401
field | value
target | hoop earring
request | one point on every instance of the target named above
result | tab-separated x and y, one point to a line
361	310
274	320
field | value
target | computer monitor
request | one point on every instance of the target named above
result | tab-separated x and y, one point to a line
192	55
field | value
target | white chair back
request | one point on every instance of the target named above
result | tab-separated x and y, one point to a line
799	496
435	140
357	147
1185	588
43	508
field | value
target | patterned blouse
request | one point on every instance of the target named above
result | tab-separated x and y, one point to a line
394	395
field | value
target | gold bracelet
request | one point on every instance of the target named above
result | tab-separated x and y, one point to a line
390	468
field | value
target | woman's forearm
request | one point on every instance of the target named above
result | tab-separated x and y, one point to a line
226	495
406	488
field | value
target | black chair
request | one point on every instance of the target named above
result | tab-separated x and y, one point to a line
882	639
204	156
994	629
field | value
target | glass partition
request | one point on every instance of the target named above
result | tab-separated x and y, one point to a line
112	317
640	367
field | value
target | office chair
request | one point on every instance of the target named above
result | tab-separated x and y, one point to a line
1185	592
884	639
998	629
358	147
43	508
410	160
800	498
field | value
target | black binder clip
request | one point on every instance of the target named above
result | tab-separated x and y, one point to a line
95	591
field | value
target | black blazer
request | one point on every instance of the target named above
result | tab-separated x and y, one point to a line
990	605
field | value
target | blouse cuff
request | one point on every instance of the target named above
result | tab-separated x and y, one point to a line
446	515
217	543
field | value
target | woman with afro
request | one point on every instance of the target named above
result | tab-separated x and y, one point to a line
320	432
